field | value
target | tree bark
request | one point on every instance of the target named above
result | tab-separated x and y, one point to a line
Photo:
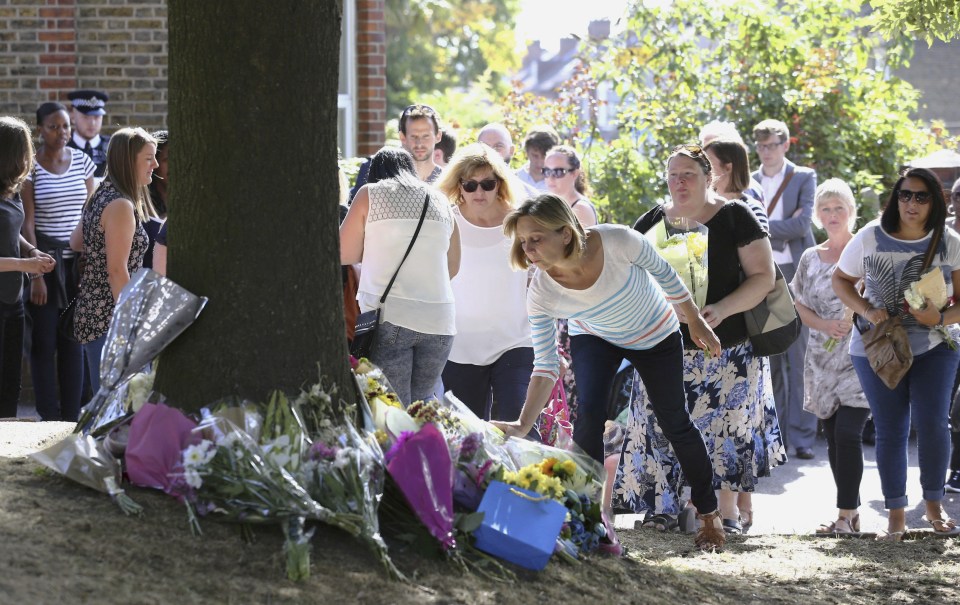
253	219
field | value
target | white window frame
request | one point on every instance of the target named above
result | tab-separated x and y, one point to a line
347	102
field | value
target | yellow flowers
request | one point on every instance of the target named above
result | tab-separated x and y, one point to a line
532	477
561	470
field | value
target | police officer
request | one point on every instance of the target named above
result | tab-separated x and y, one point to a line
88	111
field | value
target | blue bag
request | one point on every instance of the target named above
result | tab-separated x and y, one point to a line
518	525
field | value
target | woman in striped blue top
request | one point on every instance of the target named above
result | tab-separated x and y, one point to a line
616	292
53	197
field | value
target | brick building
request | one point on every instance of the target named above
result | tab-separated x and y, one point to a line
50	47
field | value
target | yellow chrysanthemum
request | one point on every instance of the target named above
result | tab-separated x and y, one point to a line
546	467
382	437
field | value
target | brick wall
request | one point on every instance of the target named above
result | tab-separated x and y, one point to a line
371	76
50	47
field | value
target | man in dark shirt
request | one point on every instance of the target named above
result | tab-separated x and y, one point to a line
88	111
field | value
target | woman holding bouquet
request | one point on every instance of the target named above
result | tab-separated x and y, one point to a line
830	385
729	394
887	255
604	281
492	355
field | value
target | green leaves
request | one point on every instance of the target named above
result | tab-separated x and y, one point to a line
926	19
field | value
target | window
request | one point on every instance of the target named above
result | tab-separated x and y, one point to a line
347	88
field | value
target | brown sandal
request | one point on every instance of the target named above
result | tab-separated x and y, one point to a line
710	537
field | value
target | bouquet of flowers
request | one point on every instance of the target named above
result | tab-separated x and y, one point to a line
683	243
930	286
830	344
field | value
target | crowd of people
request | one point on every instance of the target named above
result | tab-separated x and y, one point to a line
507	288
522	292
81	212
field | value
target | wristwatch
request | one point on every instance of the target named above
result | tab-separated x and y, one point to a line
939	325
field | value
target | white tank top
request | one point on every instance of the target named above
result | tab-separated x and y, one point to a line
421	298
491	297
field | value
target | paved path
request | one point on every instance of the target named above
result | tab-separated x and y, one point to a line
800	495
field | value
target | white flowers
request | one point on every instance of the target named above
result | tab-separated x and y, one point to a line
138	389
198	455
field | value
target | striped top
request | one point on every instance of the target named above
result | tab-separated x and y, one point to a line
59	198
624	306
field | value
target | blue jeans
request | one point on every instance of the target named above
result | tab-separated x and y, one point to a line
412	361
595	364
93	351
504	381
55	360
924	395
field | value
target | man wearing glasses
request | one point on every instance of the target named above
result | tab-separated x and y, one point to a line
788	192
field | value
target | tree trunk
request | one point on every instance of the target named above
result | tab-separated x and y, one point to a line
253	220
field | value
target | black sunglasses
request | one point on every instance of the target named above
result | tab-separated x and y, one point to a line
485	184
922	197
557	173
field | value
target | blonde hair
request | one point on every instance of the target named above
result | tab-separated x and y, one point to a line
551	213
122	151
835	188
16	161
469	160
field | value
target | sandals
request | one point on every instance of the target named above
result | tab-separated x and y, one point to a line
890	536
662	522
943	527
710	537
841	526
734	528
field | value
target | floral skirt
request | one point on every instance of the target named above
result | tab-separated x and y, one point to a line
731	403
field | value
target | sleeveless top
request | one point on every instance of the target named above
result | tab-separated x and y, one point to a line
11	220
421	298
95	303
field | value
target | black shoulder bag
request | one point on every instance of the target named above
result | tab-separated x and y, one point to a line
368	323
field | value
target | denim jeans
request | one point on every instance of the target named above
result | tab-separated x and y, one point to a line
11	357
844	431
55	360
924	395
595	364
504	381
92	352
412	361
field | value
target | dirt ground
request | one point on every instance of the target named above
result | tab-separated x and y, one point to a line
64	543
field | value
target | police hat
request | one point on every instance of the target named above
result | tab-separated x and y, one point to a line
90	102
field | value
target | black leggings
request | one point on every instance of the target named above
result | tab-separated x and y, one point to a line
844	432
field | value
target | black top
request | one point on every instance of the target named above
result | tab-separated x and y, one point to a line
732	227
11	219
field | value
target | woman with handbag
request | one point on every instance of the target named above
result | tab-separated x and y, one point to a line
729	395
53	198
492	356
605	280
396	216
831	388
113	239
889	255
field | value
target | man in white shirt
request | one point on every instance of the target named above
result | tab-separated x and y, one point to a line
537	143
788	191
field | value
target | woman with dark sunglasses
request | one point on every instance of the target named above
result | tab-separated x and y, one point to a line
492	357
566	179
887	255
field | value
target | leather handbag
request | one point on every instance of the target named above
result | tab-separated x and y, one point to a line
365	332
888	348
887	344
773	325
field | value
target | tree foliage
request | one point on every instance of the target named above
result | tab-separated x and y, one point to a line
811	63
435	45
929	19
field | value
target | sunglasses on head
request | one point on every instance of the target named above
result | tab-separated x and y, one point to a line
486	184
557	173
921	197
418	110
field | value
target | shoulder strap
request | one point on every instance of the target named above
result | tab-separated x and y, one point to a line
931	249
776	196
423	214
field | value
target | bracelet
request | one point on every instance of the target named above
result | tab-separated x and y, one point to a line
31	250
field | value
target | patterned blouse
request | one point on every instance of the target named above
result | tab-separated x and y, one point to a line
95	302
